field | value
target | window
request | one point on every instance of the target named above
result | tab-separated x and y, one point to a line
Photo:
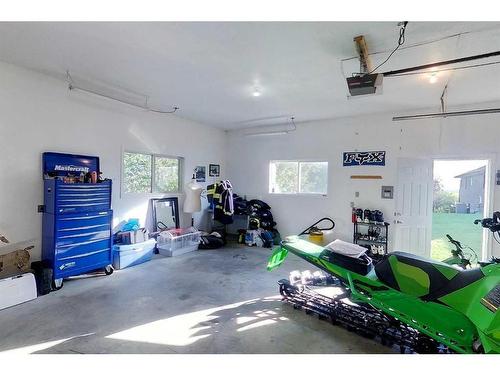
298	177
468	182
147	173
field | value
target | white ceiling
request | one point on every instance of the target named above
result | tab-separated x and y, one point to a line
209	70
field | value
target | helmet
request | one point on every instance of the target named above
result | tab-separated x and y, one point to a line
378	216
253	223
368	215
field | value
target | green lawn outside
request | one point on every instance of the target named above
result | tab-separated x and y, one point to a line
461	227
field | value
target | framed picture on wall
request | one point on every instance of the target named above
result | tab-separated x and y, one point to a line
214	170
201	173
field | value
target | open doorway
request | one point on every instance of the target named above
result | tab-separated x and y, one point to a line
459	196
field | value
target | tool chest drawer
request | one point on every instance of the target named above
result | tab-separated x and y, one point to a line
77	243
82	237
82	249
64	198
67	265
79	223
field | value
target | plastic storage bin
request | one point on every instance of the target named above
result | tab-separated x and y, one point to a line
178	241
130	255
17	289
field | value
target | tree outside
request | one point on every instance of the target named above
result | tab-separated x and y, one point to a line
166	175
286	177
137	173
444	201
313	177
290	177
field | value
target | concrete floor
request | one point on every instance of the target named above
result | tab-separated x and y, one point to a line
210	301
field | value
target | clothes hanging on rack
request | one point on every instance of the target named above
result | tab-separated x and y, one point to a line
220	196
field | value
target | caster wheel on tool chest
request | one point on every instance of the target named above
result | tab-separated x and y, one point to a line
108	270
57	284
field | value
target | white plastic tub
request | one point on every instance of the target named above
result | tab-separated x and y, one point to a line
130	255
17	289
178	241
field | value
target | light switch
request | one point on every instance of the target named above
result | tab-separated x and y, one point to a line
387	192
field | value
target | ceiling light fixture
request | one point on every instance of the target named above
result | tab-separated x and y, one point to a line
95	91
285	131
433	78
256	92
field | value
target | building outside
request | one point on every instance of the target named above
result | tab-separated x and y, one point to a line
471	194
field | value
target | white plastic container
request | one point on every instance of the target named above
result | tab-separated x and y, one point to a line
178	241
130	255
17	289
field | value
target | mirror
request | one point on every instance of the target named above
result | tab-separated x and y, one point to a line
165	213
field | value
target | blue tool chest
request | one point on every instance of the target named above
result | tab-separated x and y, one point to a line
77	217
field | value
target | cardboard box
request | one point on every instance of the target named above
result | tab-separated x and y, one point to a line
15	258
133	236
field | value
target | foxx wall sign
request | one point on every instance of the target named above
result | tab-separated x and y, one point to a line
364	158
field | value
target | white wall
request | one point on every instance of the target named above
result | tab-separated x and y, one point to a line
248	160
38	113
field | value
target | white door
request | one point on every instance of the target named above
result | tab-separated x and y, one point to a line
413	215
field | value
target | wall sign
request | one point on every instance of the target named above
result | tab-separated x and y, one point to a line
57	164
364	158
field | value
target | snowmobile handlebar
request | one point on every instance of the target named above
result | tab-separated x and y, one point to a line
454	242
491	223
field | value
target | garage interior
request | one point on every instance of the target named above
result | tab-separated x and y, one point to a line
155	175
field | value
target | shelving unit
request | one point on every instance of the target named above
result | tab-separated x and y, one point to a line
362	238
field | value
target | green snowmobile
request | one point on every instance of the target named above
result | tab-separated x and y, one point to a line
419	304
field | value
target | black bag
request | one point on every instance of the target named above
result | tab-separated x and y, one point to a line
258	204
210	242
43	277
267	239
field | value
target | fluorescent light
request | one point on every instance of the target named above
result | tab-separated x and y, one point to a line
263	134
273	132
433	78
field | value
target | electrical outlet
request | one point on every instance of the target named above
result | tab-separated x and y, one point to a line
356	194
352	204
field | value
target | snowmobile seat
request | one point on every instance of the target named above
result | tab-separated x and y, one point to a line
422	277
361	265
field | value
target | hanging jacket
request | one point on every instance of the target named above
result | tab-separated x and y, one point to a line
220	195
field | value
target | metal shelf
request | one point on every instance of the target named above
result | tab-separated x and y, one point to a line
378	224
384	243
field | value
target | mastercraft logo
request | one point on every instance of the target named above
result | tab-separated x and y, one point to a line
71	168
67	265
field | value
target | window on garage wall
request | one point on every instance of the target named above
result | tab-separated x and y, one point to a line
298	177
149	173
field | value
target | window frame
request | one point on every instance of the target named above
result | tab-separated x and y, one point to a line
299	161
152	191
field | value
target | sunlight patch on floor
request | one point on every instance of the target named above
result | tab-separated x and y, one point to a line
187	329
256	325
39	347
